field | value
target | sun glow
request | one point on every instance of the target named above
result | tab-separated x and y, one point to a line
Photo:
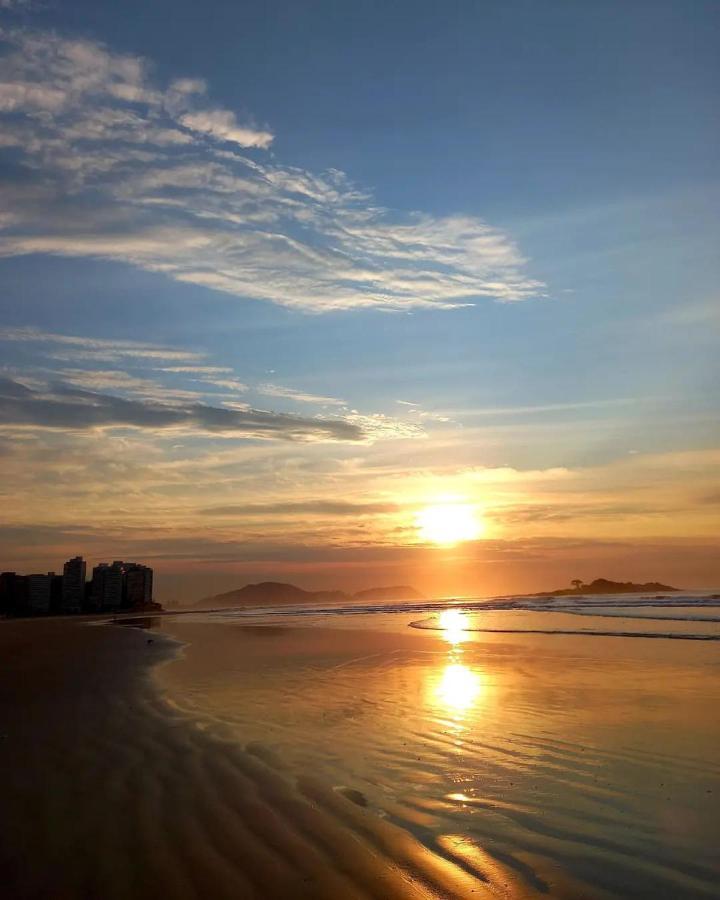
449	523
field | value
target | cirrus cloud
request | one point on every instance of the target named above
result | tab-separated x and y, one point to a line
106	163
221	123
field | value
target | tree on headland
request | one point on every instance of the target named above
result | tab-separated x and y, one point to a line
576	583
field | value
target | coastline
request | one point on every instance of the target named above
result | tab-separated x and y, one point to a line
519	758
319	761
109	793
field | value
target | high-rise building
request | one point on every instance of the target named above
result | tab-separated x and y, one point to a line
138	585
73	587
106	591
13	594
114	586
56	583
6	585
40	590
121	585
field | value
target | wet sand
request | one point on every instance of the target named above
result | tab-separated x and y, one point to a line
573	766
354	759
108	794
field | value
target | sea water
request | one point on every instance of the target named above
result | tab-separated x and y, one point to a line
570	742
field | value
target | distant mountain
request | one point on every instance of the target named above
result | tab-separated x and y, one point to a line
380	594
604	586
270	593
276	593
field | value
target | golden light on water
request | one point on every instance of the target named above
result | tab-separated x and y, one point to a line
449	523
454	624
459	687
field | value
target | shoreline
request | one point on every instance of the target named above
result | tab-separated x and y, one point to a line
505	748
320	606
441	602
110	793
251	771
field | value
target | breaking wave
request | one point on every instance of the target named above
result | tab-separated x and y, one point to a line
690	616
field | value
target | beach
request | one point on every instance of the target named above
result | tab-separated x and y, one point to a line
106	794
321	755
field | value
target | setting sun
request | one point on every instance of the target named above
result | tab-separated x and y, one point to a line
449	523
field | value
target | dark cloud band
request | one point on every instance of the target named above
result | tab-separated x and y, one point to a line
68	408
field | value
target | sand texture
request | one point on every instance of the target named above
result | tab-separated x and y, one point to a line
337	757
106	794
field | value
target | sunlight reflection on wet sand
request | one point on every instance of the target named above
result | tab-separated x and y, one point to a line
458	688
543	752
455	686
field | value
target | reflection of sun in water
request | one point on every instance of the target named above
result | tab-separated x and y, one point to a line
458	687
454	624
449	523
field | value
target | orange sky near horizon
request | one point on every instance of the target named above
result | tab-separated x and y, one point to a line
461	333
205	529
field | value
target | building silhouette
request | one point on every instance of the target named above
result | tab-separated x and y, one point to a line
13	594
138	585
73	585
44	593
106	588
114	587
120	585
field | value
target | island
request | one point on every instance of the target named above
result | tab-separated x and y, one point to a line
275	593
605	586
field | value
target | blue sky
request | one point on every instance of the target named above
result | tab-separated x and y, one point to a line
482	235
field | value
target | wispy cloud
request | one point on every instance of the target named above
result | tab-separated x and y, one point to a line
48	75
229	384
196	370
115	380
277	390
381	426
220	123
122	386
542	408
101	348
116	166
67	408
77	399
330	508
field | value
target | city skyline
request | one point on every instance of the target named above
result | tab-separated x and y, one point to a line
295	296
119	585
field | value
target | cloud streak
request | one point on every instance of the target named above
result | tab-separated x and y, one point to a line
68	409
322	508
112	165
103	348
276	390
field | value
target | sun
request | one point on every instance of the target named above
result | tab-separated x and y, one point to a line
449	523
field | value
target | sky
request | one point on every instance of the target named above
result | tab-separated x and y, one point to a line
277	279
